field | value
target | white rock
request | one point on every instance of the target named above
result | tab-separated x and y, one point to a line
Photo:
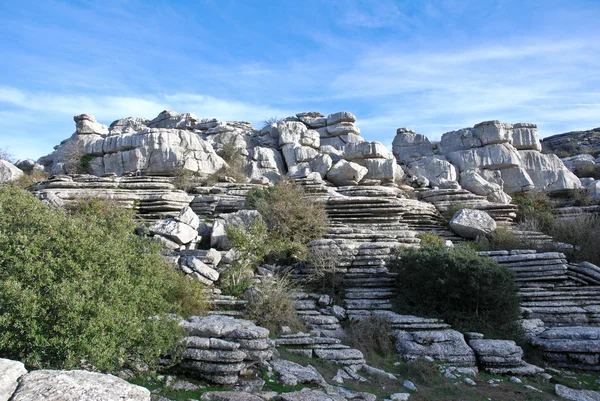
188	217
526	137
9	172
434	168
516	179
469	223
385	170
10	372
290	132
548	172
87	124
321	164
408	146
409	385
342	116
76	385
174	230
346	173
400	397
342	129
366	150
576	395
494	156
471	181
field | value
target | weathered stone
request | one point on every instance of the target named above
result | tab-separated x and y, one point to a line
366	150
409	146
174	230
9	172
346	173
292	374
526	137
469	223
548	172
342	129
290	132
10	372
87	124
229	396
76	385
218	239
576	395
188	217
342	116
434	168
447	346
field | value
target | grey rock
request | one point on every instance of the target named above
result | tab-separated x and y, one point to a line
409	385
576	395
10	372
366	150
434	169
342	116
229	396
174	230
408	146
469	223
548	172
188	217
343	128
76	385
87	124
400	396
218	239
526	137
292	374
346	173
9	172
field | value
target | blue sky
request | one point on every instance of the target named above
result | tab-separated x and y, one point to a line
433	66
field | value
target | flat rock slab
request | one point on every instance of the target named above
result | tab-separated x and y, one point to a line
229	396
76	385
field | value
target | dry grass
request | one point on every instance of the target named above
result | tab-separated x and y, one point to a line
372	336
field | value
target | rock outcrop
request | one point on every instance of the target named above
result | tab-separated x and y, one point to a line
9	172
491	159
573	143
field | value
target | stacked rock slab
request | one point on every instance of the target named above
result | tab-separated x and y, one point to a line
152	197
446	199
219	347
500	357
562	305
330	349
319	314
211	202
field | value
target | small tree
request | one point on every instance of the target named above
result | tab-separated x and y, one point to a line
293	219
250	245
470	292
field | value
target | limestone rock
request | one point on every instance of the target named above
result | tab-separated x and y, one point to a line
342	128
408	146
173	119
469	223
526	137
579	161
434	168
76	385
9	172
10	372
313	119
174	230
290	132
342	116
292	374
516	179
548	172
576	395
494	156
366	150
229	396
188	217
485	133
87	124
384	170
446	346
346	173
218	239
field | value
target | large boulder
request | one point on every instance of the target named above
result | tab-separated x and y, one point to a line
434	168
408	146
10	372
366	150
470	223
445	346
86	124
494	156
576	395
76	385
346	173
8	172
547	171
485	133
526	137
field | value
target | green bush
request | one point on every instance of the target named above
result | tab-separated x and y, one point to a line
271	306
80	288
372	336
293	219
470	292
251	245
430	239
235	165
503	239
583	232
535	206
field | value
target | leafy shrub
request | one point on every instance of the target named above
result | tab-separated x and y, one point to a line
292	219
503	239
588	170
583	232
580	197
250	244
470	292
235	165
80	287
271	306
430	239
535	205
372	336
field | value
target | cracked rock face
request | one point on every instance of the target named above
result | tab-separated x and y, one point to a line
76	385
469	223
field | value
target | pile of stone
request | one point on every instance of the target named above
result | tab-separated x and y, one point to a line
219	347
179	232
327	348
211	202
201	265
153	197
574	347
492	159
446	199
54	385
319	313
500	357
